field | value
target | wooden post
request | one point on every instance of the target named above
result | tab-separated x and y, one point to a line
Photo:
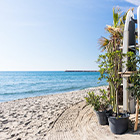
137	113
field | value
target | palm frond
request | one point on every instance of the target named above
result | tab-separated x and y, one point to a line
115	31
103	42
116	16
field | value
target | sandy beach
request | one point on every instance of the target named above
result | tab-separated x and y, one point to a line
55	117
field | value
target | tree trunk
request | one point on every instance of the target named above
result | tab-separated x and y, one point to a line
137	113
117	108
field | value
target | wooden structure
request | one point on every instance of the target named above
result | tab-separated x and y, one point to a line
129	44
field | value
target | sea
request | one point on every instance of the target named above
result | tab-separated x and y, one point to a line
22	84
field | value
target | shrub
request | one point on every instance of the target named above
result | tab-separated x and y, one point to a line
99	102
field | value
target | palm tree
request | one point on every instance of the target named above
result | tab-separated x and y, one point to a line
115	31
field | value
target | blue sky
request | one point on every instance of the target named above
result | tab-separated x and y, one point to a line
54	34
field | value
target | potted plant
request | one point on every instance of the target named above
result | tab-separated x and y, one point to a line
110	64
101	104
118	122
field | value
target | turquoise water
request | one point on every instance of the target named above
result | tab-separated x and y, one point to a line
17	85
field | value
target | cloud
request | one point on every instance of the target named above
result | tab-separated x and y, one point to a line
135	2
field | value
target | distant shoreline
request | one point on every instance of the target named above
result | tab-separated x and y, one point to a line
81	71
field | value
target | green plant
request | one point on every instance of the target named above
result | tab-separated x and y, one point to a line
99	102
134	79
135	88
134	64
110	63
109	70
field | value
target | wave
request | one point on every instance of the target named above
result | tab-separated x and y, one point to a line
28	84
50	90
47	91
25	92
69	89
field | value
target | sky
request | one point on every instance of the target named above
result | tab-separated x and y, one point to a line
46	35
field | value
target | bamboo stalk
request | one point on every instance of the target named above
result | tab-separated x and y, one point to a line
137	113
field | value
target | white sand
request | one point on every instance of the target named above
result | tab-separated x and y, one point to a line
53	117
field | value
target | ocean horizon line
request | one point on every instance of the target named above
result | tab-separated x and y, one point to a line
49	70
